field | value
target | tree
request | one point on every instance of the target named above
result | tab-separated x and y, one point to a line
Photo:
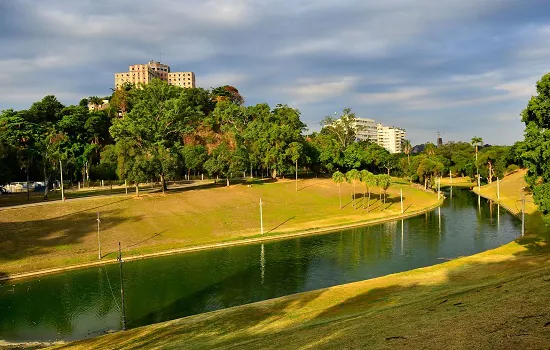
342	129
156	123
295	151
338	178
535	154
194	157
368	179
227	93
429	149
477	141
407	149
352	176
384	182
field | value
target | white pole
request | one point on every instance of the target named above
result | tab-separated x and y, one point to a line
61	172
98	241
296	175
126	186
401	201
202	176
450	177
498	189
261	218
78	184
522	213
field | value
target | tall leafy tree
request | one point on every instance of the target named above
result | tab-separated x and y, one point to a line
536	154
344	128
155	126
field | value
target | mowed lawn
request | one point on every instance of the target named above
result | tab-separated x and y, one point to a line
493	300
60	234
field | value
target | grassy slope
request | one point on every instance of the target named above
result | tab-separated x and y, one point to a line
60	234
497	299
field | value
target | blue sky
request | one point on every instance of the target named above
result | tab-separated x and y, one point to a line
460	67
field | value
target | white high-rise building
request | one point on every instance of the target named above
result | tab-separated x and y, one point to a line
369	130
391	138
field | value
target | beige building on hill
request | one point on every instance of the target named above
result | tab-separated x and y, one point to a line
144	73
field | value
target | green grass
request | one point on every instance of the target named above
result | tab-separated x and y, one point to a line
493	300
60	234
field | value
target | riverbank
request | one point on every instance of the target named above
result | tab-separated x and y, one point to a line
65	236
492	300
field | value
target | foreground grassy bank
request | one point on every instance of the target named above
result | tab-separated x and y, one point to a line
63	234
493	300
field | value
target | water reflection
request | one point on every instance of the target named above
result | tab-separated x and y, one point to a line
83	303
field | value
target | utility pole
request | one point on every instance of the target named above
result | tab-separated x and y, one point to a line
28	188
296	175
126	186
522	213
61	172
121	288
498	189
401	201
98	241
450	177
261	218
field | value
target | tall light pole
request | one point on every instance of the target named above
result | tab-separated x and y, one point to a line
522	212
98	241
498	189
401	201
61	172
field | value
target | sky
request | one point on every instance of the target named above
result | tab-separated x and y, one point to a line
463	68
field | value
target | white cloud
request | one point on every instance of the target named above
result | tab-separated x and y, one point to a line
313	90
219	79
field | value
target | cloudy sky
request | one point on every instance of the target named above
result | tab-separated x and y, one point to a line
459	67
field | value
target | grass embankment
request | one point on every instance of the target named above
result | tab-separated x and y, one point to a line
63	234
493	300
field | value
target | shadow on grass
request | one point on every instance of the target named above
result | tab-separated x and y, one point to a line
19	240
281	224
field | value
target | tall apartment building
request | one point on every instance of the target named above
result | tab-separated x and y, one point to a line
368	131
144	73
391	138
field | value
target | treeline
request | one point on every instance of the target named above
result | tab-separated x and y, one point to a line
161	132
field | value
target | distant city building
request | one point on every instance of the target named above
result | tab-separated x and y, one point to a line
144	73
391	138
368	131
439	140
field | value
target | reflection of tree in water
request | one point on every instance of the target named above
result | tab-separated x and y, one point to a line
53	303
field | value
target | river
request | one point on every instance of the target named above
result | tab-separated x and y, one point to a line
85	303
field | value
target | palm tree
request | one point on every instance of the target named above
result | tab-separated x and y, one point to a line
477	141
369	180
338	178
384	183
429	148
352	176
407	149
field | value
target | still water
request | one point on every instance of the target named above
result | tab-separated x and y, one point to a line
86	303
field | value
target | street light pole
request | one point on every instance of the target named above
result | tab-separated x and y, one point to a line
522	212
98	241
61	172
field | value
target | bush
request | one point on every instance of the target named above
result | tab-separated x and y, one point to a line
512	168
